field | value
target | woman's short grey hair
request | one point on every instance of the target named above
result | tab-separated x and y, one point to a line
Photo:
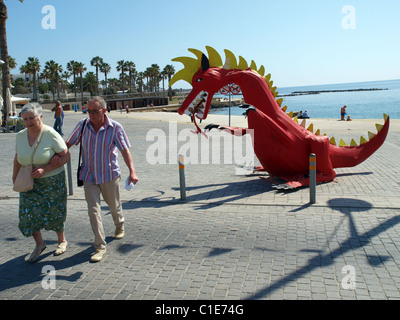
100	100
34	107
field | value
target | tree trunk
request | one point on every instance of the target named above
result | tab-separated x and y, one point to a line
4	57
82	87
35	95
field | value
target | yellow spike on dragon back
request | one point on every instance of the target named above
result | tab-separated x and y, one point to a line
191	65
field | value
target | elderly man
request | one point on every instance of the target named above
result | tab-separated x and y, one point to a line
100	137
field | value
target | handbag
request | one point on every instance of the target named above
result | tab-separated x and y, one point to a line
24	181
79	181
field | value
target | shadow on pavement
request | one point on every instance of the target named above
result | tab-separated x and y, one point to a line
354	242
18	272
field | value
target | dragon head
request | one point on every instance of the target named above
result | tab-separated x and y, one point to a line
207	75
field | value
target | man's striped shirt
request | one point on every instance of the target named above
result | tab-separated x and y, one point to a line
99	150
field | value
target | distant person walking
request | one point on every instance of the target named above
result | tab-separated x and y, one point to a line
58	116
101	138
343	113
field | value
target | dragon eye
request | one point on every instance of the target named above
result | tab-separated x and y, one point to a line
199	79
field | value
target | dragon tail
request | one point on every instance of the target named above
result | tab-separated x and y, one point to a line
350	156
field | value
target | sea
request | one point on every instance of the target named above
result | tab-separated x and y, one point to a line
369	104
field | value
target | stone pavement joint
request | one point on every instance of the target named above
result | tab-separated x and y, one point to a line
233	238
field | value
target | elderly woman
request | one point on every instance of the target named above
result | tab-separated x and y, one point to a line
45	206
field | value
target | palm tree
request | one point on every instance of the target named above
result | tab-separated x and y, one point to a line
155	73
139	80
51	68
106	69
33	67
23	69
4	57
169	71
12	63
71	67
147	75
46	86
80	68
90	83
122	66
59	71
131	68
65	75
163	76
96	62
113	82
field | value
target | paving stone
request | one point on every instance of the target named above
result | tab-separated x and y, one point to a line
234	237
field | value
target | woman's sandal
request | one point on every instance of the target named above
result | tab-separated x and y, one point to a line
61	248
36	253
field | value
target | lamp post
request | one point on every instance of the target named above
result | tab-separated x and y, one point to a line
230	89
3	107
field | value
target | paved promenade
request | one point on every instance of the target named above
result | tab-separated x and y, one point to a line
234	237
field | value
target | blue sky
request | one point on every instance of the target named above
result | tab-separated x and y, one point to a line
298	42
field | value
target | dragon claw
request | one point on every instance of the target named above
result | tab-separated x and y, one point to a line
211	126
282	186
251	108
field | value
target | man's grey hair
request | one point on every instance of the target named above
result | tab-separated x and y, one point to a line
100	100
34	107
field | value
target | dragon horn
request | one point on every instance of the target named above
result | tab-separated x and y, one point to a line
191	66
214	57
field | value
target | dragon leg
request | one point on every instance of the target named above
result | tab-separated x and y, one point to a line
319	145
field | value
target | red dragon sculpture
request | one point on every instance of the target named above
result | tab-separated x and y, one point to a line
281	144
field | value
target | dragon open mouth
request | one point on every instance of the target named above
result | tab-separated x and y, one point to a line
199	106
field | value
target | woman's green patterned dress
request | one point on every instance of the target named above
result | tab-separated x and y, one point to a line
44	207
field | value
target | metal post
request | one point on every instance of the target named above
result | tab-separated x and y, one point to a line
181	162
313	177
69	174
229	107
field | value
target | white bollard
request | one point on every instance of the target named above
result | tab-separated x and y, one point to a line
181	162
313	177
69	178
